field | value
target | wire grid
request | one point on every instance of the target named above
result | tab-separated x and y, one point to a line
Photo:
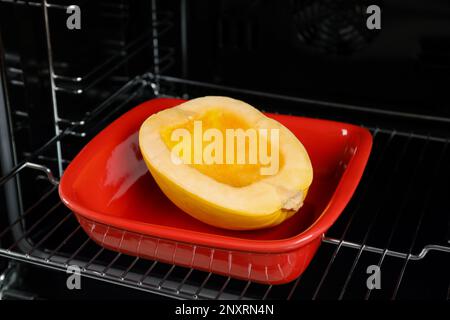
56	240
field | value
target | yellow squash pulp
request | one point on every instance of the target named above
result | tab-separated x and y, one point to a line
236	175
229	195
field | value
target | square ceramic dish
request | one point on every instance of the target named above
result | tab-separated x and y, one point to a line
120	207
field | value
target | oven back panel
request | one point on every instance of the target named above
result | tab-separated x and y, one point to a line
323	50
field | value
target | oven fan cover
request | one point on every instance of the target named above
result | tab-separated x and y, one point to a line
333	27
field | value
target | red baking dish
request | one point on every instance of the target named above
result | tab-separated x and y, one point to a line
120	206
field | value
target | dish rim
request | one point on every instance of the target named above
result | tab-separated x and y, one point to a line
342	194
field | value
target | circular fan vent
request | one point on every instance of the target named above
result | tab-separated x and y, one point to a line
333	26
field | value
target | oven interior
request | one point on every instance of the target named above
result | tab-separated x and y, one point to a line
314	58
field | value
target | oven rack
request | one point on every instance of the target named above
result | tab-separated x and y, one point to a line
104	110
36	3
79	84
402	162
63	82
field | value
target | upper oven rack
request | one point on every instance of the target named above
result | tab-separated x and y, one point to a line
37	4
161	23
348	248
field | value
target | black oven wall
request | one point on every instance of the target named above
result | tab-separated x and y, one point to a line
323	50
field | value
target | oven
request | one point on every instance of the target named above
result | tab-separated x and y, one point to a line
69	68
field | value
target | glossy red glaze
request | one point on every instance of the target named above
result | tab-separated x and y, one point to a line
120	206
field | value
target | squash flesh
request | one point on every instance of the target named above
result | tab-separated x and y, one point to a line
234	196
236	175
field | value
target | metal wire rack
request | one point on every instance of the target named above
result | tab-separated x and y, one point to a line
397	221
